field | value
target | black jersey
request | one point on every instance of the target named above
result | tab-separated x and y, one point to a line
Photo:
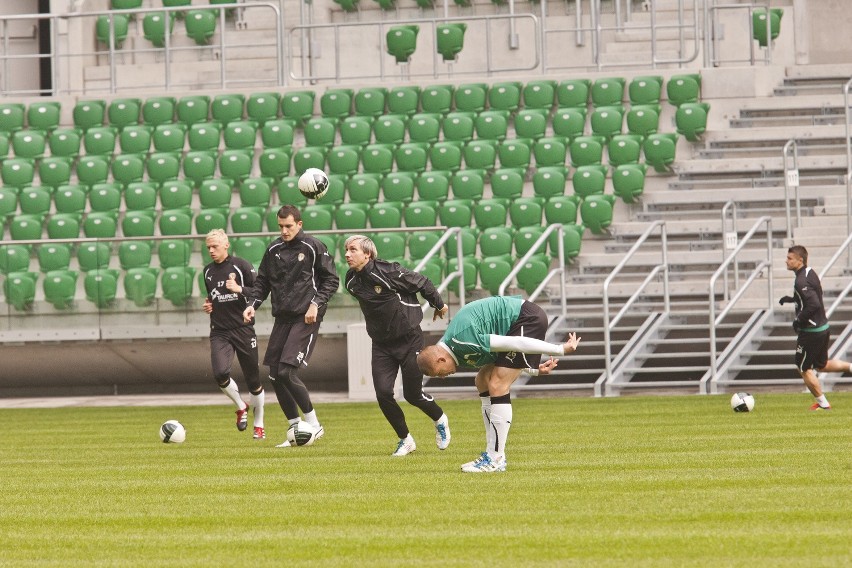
807	291
228	306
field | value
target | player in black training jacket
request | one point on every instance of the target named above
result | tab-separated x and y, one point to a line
229	333
387	294
299	273
811	326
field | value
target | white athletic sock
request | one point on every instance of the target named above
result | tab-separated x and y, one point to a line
486	419
311	418
294	421
822	401
232	391
501	421
257	401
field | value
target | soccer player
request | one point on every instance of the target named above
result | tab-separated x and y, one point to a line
299	273
811	326
229	333
387	294
501	336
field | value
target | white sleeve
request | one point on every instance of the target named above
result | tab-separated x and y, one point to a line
502	344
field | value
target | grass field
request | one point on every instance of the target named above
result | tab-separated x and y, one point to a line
632	481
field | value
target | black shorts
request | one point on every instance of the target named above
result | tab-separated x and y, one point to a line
531	322
812	350
291	343
242	341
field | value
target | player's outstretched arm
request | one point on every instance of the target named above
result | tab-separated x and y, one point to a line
571	343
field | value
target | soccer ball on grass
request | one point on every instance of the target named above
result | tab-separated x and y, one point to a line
172	432
302	434
742	402
313	183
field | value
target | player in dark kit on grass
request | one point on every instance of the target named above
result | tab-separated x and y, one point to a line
387	293
298	272
811	326
501	336
229	333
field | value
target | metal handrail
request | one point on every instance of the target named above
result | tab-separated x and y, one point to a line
726	245
662	266
791	179
846	88
822	273
711	37
716	320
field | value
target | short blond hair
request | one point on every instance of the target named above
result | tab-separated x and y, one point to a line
364	243
219	236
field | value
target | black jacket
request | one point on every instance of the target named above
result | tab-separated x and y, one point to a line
228	306
807	291
296	273
387	293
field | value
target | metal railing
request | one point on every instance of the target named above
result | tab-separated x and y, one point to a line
457	274
713	31
715	320
791	179
848	116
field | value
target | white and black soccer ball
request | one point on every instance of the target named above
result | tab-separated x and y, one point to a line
172	432
742	402
313	183
302	434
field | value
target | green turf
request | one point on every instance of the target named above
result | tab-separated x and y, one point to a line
634	481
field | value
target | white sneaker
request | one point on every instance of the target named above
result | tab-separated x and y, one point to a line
484	464
284	444
404	447
442	434
320	433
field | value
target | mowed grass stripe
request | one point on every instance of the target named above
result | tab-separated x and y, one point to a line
633	481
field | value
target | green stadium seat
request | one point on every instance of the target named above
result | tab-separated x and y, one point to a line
192	109
175	222
449	39
608	92
60	286
468	184
236	165
336	103
4	146
128	168
683	89
572	242
14	258
26	227
389	129
169	137
370	102
19	289
446	156
124	112
240	134
100	225
549	181
255	192
100	140
456	213
470	270
390	246
288	192
308	157
643	119
569	123
493	270
411	157
480	154
469	237
596	212
386	215
404	100
336	192
17	172
227	108
424	127
458	126
92	170
507	183
628	182
87	114
12	117
163	167
8	203
691	120
112	29
204	136
174	253
44	116
420	214
490	213
135	139
200	25
261	107
531	123
55	171
492	125
539	94
437	99
525	238
589	180
433	186
364	188
209	219
154	27
471	97
247	220
277	133
526	211
65	142
177	284
250	249
606	121
421	242
356	131
350	217
199	166
624	149
759	25
348	5
659	150
140	285
93	256
533	272
551	151
215	193
177	4
138	224
505	96
573	93
317	218
54	256
298	106
28	144
561	209
399	187
515	153
175	194
401	42
645	90
586	151
321	131
35	200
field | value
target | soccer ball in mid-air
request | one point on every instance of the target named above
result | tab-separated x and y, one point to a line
172	432
313	183
742	402
302	434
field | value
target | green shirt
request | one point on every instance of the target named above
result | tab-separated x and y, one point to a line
467	335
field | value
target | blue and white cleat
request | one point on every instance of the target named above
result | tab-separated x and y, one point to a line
442	434
484	464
